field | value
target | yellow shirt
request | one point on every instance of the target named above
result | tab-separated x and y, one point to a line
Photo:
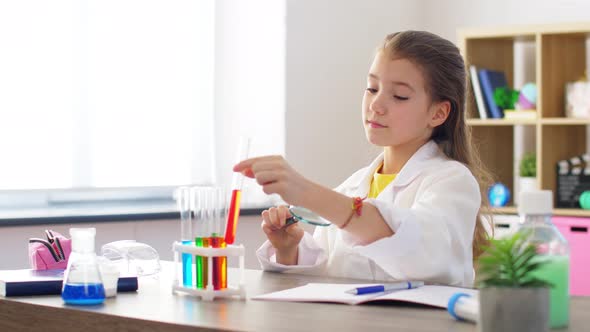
379	182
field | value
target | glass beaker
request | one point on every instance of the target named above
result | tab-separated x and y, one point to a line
82	281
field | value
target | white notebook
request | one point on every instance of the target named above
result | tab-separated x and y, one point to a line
436	296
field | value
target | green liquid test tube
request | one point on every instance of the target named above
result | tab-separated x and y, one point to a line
202	263
199	264
204	205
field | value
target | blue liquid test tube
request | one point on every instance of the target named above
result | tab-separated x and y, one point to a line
183	202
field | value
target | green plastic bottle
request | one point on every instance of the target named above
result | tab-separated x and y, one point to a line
535	209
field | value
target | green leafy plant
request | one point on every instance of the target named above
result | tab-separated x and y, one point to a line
506	98
509	262
528	165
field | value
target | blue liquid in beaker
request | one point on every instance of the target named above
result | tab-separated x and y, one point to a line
83	294
187	267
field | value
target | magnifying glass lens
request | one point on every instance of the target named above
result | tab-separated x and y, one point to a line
302	214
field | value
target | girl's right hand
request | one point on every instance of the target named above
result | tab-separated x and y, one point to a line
283	239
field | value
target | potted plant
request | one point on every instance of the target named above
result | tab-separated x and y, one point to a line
517	104
511	298
506	98
527	180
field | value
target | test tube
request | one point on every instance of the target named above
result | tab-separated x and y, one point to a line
184	207
218	241
464	307
201	235
236	194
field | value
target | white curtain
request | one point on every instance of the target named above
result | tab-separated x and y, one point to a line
106	93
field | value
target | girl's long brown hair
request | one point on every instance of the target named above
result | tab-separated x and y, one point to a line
446	80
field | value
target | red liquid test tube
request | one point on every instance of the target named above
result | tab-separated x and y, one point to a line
219	267
234	207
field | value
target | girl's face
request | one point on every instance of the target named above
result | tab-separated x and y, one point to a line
396	108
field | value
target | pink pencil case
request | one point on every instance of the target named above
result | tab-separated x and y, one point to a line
49	254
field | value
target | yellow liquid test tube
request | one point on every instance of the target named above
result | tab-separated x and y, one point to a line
201	212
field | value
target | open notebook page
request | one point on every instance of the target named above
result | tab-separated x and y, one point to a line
431	295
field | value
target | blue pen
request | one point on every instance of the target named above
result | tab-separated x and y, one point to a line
385	288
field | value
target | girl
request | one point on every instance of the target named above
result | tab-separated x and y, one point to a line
415	208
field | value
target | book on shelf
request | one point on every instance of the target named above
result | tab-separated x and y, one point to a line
479	102
29	282
490	80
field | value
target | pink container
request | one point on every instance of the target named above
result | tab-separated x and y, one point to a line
575	231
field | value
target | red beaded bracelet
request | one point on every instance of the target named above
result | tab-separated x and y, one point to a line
357	208
357	205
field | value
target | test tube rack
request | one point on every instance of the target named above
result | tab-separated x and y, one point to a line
209	293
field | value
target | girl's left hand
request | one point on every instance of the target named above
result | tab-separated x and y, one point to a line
276	176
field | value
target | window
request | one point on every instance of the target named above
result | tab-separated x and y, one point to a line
123	98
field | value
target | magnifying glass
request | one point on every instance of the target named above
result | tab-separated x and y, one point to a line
302	214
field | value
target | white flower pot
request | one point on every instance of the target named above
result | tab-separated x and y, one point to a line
525	184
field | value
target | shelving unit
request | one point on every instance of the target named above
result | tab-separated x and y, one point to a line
560	57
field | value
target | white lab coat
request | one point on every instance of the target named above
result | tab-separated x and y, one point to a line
431	206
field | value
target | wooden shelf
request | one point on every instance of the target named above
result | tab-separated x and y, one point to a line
505	210
565	121
528	122
523	31
559	58
499	122
556	212
571	212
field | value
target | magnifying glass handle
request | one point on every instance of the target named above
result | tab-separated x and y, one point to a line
290	221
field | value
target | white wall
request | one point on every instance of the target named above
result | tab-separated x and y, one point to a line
330	45
249	83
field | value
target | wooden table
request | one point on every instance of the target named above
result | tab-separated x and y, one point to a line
155	308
